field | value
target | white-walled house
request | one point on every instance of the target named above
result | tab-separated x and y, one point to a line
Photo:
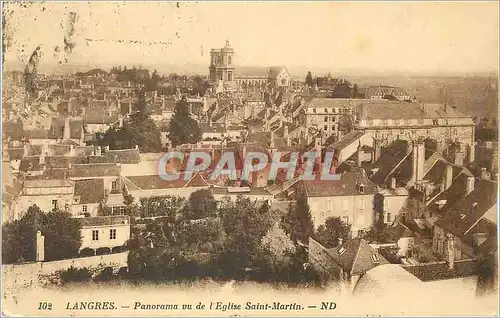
147	186
104	234
350	199
46	194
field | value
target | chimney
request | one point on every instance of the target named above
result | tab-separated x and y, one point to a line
377	149
272	146
450	251
106	149
45	149
470	185
40	247
210	121
317	143
458	155
393	183
340	240
25	152
130	107
98	151
285	132
120	120
41	158
70	109
359	154
408	147
448	177
67	131
137	147
418	160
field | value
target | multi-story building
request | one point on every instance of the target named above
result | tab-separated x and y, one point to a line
441	124
329	115
222	67
104	234
350	199
387	92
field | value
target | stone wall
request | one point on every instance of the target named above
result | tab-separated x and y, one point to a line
17	276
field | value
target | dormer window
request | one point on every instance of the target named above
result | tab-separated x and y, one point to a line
361	188
375	258
462	216
474	204
342	250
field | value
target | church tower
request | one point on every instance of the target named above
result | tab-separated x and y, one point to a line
221	66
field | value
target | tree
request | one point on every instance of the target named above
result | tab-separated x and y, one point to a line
62	236
278	246
298	222
342	90
61	231
355	91
161	206
201	204
328	234
138	130
244	224
183	128
309	79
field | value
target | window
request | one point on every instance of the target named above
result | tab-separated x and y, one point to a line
229	76
362	204
362	188
122	210
333	119
323	214
95	235
114	185
326	110
112	234
345	205
326	119
84	208
229	59
375	258
54	204
325	128
314	110
386	204
342	250
388	217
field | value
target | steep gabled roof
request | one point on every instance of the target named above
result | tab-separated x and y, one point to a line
89	190
462	215
356	256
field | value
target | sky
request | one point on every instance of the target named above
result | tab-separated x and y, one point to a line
417	37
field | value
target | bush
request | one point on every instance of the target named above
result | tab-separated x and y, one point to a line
105	275
73	274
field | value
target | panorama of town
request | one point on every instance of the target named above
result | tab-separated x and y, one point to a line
82	198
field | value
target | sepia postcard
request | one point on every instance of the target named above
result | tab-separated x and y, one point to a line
182	158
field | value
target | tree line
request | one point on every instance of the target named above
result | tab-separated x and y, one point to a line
227	239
